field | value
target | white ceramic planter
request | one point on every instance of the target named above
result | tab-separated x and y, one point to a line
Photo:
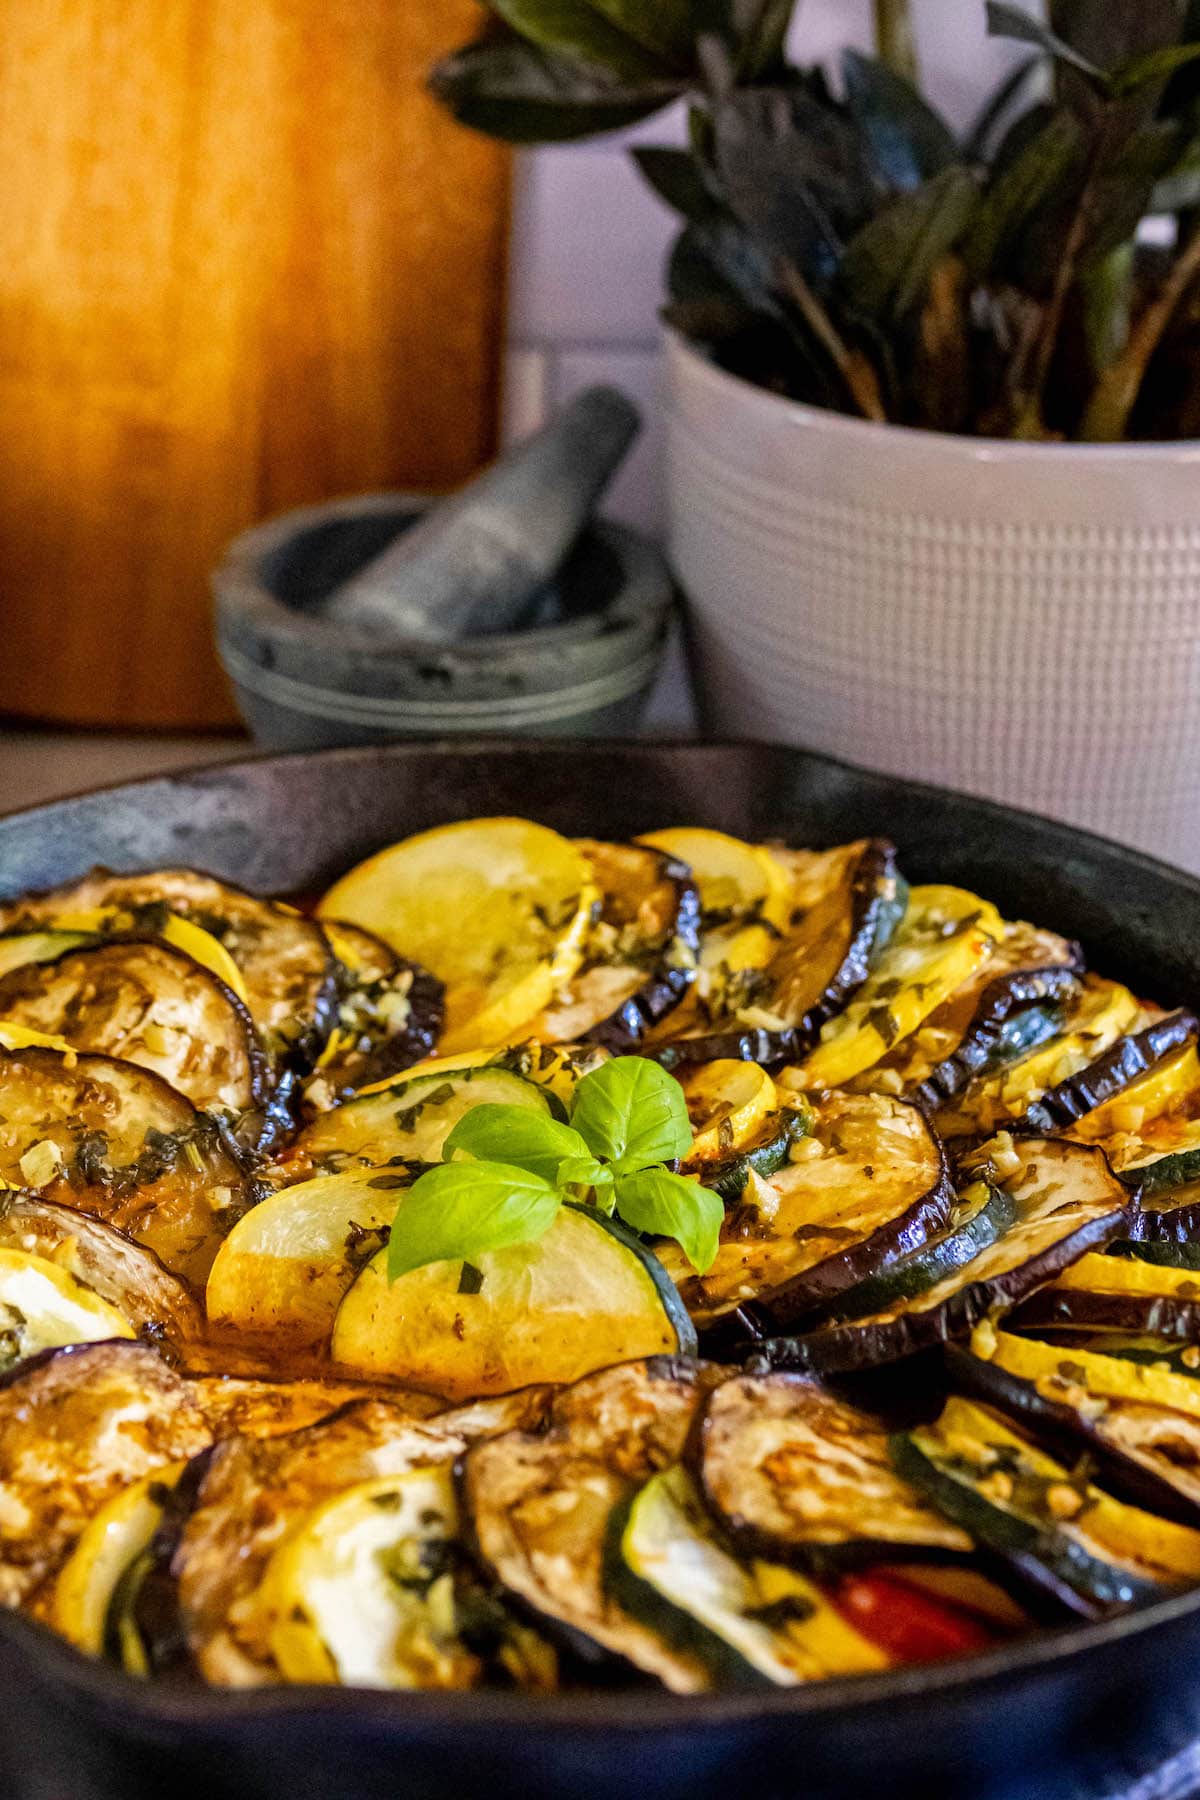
1021	621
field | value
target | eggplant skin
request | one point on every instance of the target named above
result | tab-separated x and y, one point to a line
1127	1061
1066	1432
1140	1315
1006	995
76	1427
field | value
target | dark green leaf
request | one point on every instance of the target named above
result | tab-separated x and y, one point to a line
1011	22
996	110
513	90
516	1135
578	29
665	1205
887	268
1179	188
632	1113
910	142
1125	188
666	29
677	178
761	28
1156	66
1035	177
457	1212
1111	32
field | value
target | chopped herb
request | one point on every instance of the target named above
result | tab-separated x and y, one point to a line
470	1281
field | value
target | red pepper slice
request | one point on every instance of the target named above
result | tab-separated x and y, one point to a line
911	1626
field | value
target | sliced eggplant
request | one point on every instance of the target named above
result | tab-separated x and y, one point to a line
1117	1071
285	960
88	1600
283	1271
798	1476
256	1490
641	955
586	1294
257	1407
1100	1016
1049	1523
1166	1215
753	1623
538	1505
389	1017
868	1184
406	1122
1008	1006
1065	1201
150	1005
126	1275
845	907
77	1426
116	1142
1079	1404
1109	1293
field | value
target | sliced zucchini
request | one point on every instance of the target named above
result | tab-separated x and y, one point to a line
284	959
557	1068
372	1590
1050	1524
1010	1004
281	1274
126	1275
1066	1202
1118	1294
727	1104
43	1306
867	1184
844	908
945	936
641	954
78	1426
150	1005
389	1017
1079	1403
498	909
406	1122
586	1294
1103	1013
1120	1071
764	1154
795	1475
257	1490
112	1543
538	1505
116	1142
755	1624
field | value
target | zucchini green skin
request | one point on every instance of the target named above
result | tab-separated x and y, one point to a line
1177	1170
764	1158
1164	1255
878	901
672	1302
1047	1559
1016	1015
1067	1432
1128	1060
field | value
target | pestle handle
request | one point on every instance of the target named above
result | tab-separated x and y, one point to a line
479	560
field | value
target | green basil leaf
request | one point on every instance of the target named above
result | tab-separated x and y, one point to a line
1012	22
458	1211
632	1113
518	1136
584	1171
666	1205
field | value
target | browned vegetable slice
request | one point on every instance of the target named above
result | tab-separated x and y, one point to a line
257	1489
641	953
116	1142
77	1426
258	1408
868	1184
845	906
285	959
1065	1202
1120	1067
126	1274
389	1016
539	1504
1110	1293
150	1005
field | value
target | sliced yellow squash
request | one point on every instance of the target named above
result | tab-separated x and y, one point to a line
43	1306
111	1543
945	936
498	909
1051	1367
585	1295
20	1037
727	1102
746	897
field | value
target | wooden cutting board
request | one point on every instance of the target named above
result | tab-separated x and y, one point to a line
245	263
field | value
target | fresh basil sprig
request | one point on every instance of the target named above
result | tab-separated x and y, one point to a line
629	1120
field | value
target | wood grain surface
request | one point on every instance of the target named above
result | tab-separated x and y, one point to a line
245	263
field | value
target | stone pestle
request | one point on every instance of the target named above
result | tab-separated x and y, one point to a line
480	560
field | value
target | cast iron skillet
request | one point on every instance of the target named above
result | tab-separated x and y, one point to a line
1078	1713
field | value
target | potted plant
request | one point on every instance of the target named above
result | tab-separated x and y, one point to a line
934	483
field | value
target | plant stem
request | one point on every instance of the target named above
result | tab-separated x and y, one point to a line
896	40
1117	391
855	369
1031	399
